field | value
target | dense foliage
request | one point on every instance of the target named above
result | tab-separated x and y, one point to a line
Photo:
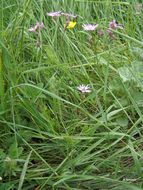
71	98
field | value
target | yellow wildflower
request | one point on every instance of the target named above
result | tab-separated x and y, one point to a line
71	24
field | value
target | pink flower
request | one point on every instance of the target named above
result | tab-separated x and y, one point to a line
111	35
90	27
100	33
54	14
84	88
114	25
69	15
38	26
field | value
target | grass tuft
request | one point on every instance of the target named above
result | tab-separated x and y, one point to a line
71	100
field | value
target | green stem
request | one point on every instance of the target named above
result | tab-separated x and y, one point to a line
1	81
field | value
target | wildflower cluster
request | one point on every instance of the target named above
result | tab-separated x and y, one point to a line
70	24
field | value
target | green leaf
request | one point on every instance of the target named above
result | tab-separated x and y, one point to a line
138	52
138	97
125	73
21	181
14	151
122	121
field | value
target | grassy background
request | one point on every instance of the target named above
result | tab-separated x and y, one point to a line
53	137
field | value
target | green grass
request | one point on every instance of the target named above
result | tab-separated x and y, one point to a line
52	136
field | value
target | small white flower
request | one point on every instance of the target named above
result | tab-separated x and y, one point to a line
0	178
69	15
54	14
38	26
84	88
89	27
32	29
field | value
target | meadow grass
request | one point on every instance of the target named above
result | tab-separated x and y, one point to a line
53	136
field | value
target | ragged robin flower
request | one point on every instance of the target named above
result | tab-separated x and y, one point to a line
69	15
84	88
54	14
38	26
114	25
89	27
100	33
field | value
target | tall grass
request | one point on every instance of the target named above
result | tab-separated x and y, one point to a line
52	136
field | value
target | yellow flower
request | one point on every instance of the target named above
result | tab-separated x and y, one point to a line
71	24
